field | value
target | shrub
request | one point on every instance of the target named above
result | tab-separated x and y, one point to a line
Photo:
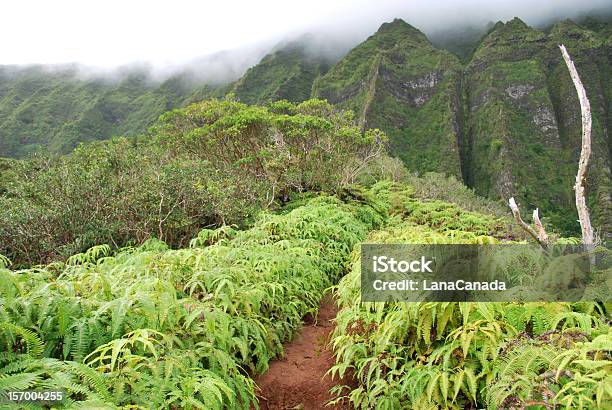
211	164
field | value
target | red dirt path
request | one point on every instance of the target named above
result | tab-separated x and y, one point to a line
296	382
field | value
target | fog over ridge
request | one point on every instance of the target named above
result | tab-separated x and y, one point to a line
217	43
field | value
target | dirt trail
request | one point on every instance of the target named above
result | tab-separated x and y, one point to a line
296	381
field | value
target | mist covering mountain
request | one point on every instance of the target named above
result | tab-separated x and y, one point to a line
491	104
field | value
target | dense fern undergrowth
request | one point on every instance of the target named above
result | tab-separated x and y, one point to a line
152	327
466	355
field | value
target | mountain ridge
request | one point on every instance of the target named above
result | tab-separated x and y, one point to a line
506	121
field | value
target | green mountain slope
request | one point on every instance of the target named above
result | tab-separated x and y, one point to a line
52	111
397	81
593	57
285	74
507	121
514	143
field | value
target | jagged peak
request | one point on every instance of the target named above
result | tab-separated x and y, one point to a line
397	23
401	29
571	33
497	26
502	38
517	23
511	29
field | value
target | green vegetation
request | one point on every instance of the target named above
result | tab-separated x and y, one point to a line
53	110
507	123
458	355
152	327
397	81
212	163
286	74
524	120
588	51
167	269
503	117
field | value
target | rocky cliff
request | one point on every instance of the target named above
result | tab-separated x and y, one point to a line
507	121
398	81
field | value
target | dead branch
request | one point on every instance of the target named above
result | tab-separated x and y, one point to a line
541	239
539	227
585	153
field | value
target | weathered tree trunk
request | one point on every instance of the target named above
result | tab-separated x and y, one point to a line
539	234
585	153
541	237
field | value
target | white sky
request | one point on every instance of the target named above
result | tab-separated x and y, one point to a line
111	32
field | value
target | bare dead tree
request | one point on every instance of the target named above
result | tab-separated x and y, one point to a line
585	153
540	236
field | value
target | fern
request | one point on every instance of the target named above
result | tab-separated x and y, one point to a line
34	345
4	262
463	355
20	381
152	327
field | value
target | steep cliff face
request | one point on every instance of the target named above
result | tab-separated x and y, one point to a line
523	133
507	122
397	81
286	74
514	146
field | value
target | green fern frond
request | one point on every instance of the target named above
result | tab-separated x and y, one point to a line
34	344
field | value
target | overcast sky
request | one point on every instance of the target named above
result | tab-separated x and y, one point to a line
112	32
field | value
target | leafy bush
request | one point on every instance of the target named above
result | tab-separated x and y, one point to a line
211	164
114	192
277	149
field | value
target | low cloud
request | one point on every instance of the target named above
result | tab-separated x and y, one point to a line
218	42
